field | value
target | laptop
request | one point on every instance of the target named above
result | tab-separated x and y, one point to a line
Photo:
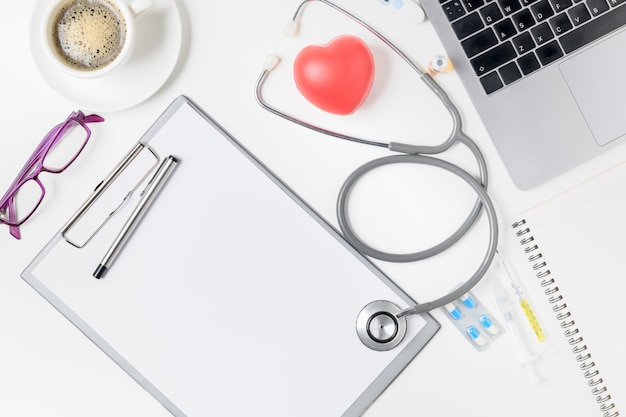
545	76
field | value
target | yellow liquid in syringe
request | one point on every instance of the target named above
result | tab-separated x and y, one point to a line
534	323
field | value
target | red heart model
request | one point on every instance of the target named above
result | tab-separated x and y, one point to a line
336	77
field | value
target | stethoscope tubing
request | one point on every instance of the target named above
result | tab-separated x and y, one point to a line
483	201
415	155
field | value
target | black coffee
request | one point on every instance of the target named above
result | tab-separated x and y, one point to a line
89	34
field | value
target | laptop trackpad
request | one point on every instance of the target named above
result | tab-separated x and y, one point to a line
597	79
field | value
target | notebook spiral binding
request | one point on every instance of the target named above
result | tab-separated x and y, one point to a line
565	319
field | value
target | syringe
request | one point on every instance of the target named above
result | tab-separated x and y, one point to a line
523	301
525	357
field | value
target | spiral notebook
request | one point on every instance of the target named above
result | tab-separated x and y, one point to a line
574	243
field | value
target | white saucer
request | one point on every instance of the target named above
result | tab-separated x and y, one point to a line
159	39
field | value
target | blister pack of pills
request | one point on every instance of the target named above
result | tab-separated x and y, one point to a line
474	321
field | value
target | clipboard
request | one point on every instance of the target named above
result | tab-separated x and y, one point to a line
233	297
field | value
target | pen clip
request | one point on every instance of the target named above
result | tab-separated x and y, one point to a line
102	187
154	177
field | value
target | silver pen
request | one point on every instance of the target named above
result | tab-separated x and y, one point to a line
147	197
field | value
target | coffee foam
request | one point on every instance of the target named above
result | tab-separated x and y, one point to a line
89	34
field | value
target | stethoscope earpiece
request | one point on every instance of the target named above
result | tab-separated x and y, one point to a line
291	29
270	62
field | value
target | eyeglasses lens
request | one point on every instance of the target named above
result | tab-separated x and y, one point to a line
25	201
66	148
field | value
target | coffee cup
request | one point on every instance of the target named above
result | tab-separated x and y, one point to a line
90	38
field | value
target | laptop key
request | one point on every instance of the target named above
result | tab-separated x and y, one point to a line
491	13
472	5
453	9
549	53
579	14
523	43
493	58
509	6
597	7
505	29
468	25
594	29
542	33
523	20
528	63
479	42
560	24
560	5
491	82
510	73
542	10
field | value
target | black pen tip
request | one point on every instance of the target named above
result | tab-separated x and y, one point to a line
100	271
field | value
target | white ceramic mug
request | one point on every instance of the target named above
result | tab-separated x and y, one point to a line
75	34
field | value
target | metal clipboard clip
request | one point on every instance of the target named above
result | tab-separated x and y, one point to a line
140	152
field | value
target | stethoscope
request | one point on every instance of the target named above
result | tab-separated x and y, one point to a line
381	325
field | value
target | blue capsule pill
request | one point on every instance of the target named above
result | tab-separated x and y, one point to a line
476	337
468	300
454	312
489	325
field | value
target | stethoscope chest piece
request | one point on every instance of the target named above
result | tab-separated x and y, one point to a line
378	326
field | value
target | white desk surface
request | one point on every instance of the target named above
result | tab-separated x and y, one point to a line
48	368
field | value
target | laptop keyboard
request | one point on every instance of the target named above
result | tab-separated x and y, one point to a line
506	40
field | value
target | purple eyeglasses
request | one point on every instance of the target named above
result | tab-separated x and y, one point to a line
58	149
